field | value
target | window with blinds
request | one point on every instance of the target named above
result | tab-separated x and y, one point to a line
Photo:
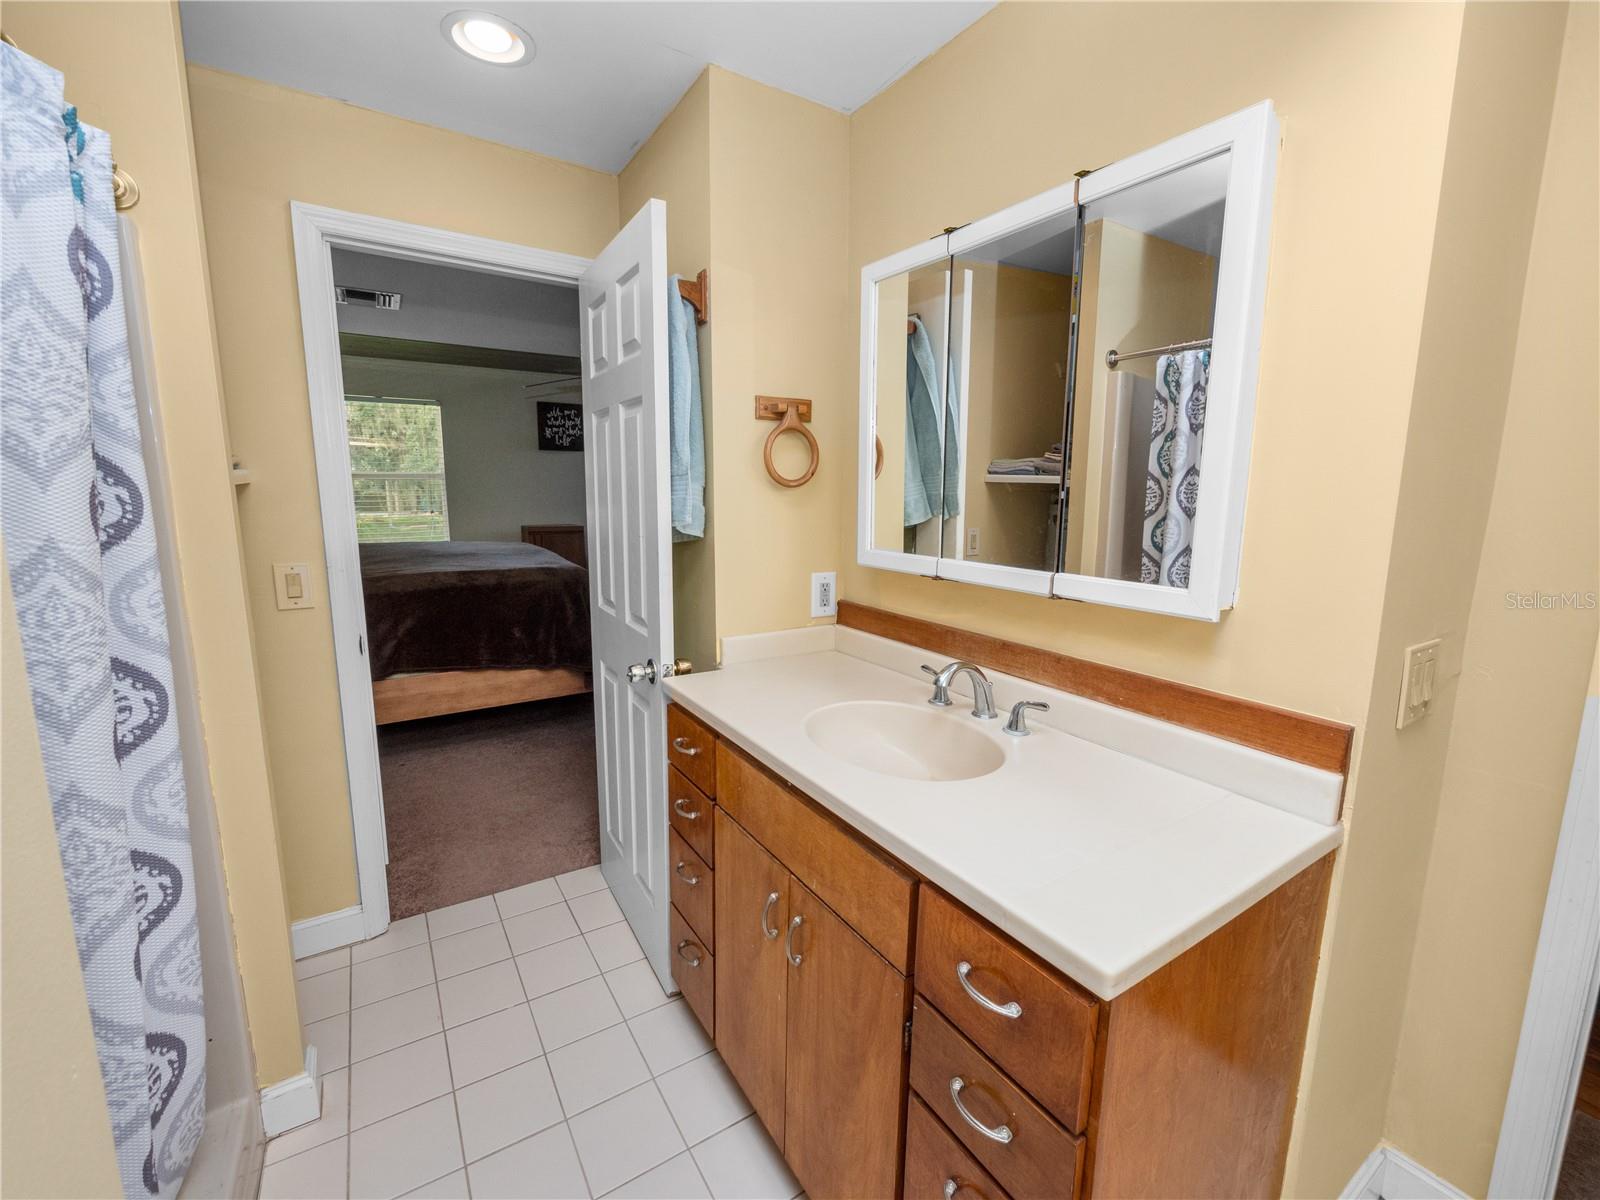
397	469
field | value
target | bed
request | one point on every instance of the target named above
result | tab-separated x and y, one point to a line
457	626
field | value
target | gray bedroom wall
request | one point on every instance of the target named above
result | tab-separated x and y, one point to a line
466	308
496	477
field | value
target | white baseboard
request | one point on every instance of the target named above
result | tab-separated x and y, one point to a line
328	932
1388	1174
295	1101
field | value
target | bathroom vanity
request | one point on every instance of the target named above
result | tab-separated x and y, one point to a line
942	960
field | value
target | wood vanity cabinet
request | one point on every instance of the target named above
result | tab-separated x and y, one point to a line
894	1043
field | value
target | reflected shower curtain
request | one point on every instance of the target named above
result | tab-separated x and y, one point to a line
81	556
1172	482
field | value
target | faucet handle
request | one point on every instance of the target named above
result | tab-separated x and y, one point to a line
941	690
1017	726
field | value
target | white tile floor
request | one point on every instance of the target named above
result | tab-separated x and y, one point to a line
517	1045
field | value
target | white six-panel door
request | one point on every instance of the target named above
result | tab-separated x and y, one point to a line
623	305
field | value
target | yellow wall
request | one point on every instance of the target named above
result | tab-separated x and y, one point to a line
783	325
1375	288
259	147
674	165
1524	675
55	1139
124	68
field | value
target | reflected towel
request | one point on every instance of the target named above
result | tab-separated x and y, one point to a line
687	452
932	483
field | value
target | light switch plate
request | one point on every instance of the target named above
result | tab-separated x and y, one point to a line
291	584
1421	673
824	593
972	541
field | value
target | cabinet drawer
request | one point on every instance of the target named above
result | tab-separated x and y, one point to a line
694	970
856	880
935	1160
692	748
689	814
692	889
1048	1047
1037	1158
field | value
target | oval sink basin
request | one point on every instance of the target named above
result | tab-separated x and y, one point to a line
906	741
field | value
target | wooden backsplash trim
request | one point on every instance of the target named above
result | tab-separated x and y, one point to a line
1300	738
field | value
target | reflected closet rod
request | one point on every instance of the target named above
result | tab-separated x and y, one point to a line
1113	357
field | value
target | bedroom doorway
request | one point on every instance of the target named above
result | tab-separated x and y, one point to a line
456	490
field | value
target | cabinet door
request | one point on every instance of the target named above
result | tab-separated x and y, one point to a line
847	1014
752	909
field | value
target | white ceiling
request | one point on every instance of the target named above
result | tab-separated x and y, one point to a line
604	76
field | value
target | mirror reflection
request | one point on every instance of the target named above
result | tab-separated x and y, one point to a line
1012	308
918	452
1149	280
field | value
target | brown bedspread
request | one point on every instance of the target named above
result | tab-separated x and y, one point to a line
451	606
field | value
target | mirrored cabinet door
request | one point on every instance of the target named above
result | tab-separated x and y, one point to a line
1012	296
915	413
1172	285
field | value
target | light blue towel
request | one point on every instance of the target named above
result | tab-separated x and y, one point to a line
933	457
687	454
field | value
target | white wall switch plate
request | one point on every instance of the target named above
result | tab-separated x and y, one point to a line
824	593
1421	673
972	542
291	584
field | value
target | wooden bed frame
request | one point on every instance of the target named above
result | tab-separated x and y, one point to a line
434	693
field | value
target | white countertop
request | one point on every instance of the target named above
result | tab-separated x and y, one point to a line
1103	862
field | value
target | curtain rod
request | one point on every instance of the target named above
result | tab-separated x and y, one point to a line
124	191
1113	357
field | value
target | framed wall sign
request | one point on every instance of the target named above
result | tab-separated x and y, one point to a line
560	426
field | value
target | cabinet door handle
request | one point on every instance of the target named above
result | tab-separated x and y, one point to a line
952	1185
771	933
788	941
682	746
678	807
679	870
1000	1133
695	961
1010	1009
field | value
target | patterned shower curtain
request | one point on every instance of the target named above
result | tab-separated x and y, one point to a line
81	556
1172	483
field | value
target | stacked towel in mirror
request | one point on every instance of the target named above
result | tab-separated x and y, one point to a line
1048	463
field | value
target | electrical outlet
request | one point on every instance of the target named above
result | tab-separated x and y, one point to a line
972	541
824	593
1417	683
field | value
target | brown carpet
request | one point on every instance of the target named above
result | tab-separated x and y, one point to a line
483	801
1580	1166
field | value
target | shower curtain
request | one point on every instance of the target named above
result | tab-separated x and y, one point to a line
81	557
1172	482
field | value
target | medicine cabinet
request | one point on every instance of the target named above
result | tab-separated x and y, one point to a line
1057	398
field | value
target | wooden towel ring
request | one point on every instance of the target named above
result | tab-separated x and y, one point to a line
790	415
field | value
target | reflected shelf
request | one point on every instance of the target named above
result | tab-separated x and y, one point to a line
1052	480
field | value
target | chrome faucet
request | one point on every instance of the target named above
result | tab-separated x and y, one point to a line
982	690
1017	726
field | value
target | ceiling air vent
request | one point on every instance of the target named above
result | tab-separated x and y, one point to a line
366	298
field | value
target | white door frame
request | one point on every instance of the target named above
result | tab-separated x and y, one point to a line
1561	994
317	231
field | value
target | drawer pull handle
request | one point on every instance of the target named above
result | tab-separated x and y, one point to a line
788	941
695	961
1001	1133
678	807
682	866
682	746
1011	1009
952	1185
768	930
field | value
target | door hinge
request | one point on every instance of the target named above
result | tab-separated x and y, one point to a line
905	1043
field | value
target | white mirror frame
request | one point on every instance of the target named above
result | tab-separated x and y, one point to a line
929	252
1251	137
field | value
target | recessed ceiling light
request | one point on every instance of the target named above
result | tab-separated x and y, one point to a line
488	38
